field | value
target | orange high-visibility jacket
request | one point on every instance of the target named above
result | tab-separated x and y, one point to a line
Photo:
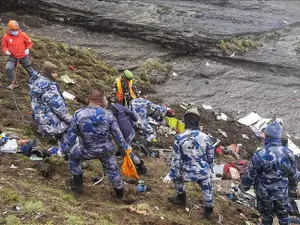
16	45
120	92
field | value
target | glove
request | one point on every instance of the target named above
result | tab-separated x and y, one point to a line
167	179
8	53
138	124
26	52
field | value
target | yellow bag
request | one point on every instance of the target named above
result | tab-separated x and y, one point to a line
172	122
128	168
180	126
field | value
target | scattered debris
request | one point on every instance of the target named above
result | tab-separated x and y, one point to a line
174	74
30	169
35	158
12	166
206	107
245	136
222	117
66	79
223	133
97	180
68	95
249	119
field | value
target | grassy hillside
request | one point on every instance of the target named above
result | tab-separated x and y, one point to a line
41	191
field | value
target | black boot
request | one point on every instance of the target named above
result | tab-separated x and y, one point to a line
208	212
77	184
141	168
120	193
179	199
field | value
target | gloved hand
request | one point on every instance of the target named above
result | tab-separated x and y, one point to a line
138	124
26	52
167	179
8	53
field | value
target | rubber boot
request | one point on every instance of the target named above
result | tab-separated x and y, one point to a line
179	199
208	212
77	184
120	193
141	168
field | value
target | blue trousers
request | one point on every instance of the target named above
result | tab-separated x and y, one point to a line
268	209
206	187
107	159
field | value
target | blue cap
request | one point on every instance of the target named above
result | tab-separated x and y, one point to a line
274	130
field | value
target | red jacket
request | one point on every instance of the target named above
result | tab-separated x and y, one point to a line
16	44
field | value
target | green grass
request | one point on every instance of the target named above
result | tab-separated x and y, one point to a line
33	207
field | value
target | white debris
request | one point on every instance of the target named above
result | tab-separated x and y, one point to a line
207	64
223	133
162	217
175	74
222	117
249	119
30	169
12	166
206	107
294	148
68	95
245	136
187	209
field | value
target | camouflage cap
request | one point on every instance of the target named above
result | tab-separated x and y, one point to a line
193	110
49	66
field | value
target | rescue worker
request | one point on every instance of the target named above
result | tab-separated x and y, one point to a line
125	118
141	107
95	126
49	109
124	89
192	160
16	45
273	170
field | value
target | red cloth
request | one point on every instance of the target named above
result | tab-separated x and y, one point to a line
241	165
16	45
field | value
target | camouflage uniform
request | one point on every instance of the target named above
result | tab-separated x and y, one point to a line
48	106
272	169
192	159
95	126
141	107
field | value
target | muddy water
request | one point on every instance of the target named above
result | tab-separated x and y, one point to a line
265	80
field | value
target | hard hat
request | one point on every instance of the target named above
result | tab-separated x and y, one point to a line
128	74
13	25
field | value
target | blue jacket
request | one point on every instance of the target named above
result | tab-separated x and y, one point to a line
272	170
192	157
125	118
48	106
96	127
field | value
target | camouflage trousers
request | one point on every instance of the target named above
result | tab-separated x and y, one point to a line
133	157
107	159
148	131
268	209
205	186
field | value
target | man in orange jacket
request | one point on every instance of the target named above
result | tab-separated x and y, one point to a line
16	45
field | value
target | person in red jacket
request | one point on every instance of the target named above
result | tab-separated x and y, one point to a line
16	45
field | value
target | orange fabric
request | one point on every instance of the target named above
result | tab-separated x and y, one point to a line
120	93
128	168
16	45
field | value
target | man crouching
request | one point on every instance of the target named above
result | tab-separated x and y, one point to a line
94	125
